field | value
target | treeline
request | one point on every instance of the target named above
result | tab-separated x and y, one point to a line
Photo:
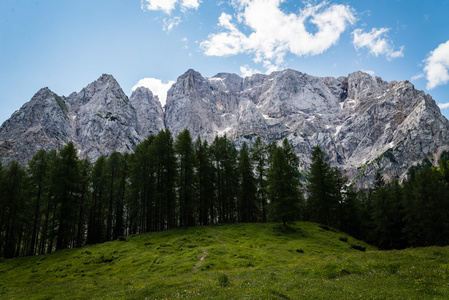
59	201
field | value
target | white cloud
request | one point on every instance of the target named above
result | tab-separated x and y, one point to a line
370	72
443	105
377	43
275	33
190	4
165	5
418	76
168	6
156	86
170	23
247	71
437	65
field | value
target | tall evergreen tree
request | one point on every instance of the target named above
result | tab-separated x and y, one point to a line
165	170
38	170
204	182
114	168
15	184
67	177
186	161
96	208
387	215
325	189
142	210
248	210
283	185
119	225
225	165
259	158
427	209
84	197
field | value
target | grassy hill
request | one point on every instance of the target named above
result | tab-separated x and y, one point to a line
241	261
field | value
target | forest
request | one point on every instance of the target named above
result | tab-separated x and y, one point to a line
60	201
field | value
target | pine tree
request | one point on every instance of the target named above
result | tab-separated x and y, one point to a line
259	158
38	170
186	160
283	185
165	170
248	210
205	192
98	200
225	165
84	196
325	189
427	209
67	180
142	209
387	215
15	204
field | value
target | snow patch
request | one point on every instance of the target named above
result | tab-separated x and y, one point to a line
222	132
337	130
267	117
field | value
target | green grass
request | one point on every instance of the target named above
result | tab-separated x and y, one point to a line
241	261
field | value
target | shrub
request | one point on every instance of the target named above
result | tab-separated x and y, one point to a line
358	247
223	280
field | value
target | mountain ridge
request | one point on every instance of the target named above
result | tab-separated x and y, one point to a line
365	124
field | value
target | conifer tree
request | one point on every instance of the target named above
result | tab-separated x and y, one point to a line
259	158
225	164
38	170
142	209
15	205
283	185
387	215
98	200
204	182
248	210
67	176
325	189
165	170
186	160
84	197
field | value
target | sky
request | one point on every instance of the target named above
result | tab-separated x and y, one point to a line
65	45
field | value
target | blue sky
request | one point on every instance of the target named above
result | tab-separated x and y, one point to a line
65	45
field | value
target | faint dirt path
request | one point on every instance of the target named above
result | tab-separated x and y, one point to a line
218	238
195	268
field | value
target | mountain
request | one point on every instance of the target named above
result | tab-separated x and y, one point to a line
364	123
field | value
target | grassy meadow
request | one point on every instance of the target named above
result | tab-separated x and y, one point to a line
239	261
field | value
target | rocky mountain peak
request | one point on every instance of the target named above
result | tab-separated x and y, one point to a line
150	115
365	124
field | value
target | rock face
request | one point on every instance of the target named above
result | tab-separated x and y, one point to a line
363	123
150	116
99	119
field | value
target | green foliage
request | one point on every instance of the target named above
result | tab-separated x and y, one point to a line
223	280
325	189
61	104
60	202
283	185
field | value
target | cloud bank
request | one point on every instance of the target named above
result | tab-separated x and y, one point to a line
376	42
437	65
310	32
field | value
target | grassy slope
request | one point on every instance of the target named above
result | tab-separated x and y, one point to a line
242	261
